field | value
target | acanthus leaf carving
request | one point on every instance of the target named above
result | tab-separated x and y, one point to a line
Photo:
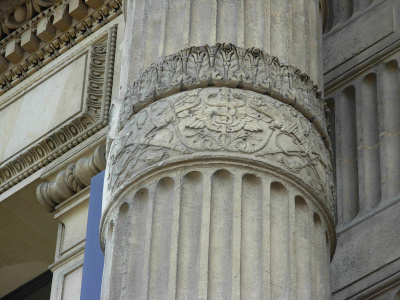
226	65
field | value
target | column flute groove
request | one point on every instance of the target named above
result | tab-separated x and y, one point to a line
232	145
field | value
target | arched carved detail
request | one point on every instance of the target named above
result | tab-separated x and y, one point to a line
229	66
222	121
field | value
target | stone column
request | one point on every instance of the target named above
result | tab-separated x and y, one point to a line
219	181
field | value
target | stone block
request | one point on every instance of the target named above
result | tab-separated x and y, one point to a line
14	53
29	41
45	31
78	9
94	3
3	64
62	20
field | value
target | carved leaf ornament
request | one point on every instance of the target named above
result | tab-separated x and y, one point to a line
217	120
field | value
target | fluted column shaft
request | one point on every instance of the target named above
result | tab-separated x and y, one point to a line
219	182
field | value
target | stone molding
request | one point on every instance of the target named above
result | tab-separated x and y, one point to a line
49	34
230	66
217	122
72	180
93	119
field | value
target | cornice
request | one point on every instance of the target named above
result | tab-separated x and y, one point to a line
48	34
72	180
94	117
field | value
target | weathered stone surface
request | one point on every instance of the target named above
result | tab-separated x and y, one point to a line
222	121
218	182
75	178
235	187
227	65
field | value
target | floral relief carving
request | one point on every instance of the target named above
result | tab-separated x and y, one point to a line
229	66
220	120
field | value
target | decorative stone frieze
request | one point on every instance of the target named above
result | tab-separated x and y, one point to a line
223	121
53	31
72	180
231	66
94	117
218	192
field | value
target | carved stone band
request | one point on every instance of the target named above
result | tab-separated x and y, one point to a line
222	122
229	66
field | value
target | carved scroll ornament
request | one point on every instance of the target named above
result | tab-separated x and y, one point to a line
220	121
72	180
230	66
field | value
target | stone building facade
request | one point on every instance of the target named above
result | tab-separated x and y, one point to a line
250	148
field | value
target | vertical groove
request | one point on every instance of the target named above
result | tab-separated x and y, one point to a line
280	240
173	262
155	30
175	23
314	50
188	270
303	256
108	263
227	12
253	24
348	155
236	238
163	28
187	22
266	240
241	23
280	28
318	264
161	238
118	253
251	245
205	237
368	144
390	131
292	245
267	26
220	251
202	21
137	233
327	268
300	24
